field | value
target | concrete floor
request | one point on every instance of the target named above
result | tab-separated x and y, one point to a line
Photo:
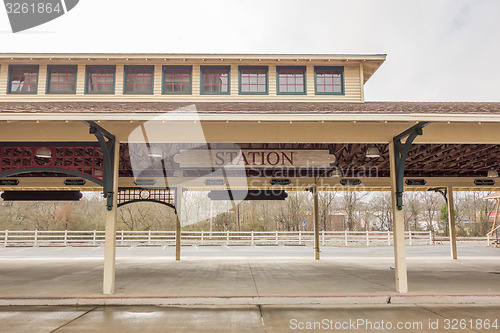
350	318
228	272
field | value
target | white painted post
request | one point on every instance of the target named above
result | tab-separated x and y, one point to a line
178	231
451	223
388	237
149	237
316	221
65	237
430	238
323	238
6	238
276	237
300	237
202	237
367	238
345	237
94	238
36	239
410	238
110	233
227	238
398	229
211	218
121	238
253	243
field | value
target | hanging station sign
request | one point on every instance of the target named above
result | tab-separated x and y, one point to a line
74	182
213	182
144	182
281	181
255	158
9	182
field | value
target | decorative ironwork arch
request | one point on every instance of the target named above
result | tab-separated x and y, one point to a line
83	159
89	160
162	196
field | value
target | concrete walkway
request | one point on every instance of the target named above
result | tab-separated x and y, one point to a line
48	278
251	319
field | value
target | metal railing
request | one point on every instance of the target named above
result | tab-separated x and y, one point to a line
249	238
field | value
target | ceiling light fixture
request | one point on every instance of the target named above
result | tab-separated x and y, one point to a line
43	152
492	173
372	152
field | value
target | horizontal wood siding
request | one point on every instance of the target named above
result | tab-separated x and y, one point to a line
352	77
118	82
4	70
80	81
196	80
158	84
42	79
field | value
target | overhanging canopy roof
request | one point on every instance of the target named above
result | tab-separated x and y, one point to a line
396	108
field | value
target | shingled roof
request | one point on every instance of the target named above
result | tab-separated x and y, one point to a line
256	107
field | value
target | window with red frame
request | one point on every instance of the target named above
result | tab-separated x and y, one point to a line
100	79
329	80
23	79
291	80
176	80
253	80
139	79
61	79
215	80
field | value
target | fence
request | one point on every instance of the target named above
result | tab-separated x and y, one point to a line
249	238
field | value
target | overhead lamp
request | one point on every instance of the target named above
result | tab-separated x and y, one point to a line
43	152
492	173
155	152
98	172
372	152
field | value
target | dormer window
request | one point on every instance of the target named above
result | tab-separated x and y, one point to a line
61	79
253	80
23	79
291	80
329	80
215	80
177	79
138	80
100	80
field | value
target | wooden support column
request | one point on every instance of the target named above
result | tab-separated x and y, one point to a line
110	233
451	222
178	209
398	225
211	217
316	221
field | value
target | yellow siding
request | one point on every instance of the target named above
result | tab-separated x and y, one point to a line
4	69
157	80
272	81
42	79
118	81
310	80
196	80
352	79
80	80
234	80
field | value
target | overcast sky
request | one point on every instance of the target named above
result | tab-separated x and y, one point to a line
438	50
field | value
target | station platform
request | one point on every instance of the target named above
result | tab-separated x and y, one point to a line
248	276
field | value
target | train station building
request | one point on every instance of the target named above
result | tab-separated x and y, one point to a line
150	127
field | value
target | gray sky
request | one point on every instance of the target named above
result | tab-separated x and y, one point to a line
438	50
